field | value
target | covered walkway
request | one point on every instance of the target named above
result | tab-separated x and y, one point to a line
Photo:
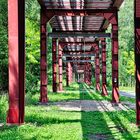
78	45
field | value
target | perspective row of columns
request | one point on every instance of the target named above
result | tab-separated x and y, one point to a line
16	42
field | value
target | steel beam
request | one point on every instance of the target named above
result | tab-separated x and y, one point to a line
117	3
137	57
77	51
97	68
71	73
78	61
104	88
88	73
54	65
64	44
79	35
60	88
43	56
16	49
79	55
80	12
78	31
68	73
115	65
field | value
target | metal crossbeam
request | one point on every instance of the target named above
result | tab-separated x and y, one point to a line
80	12
78	61
79	35
77	55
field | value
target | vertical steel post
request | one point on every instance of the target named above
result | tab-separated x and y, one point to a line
90	73
97	68
115	48
104	88
68	73
54	61
137	57
85	73
16	46
60	67
43	55
71	73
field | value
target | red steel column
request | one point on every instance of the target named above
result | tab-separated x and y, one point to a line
137	58
54	61
71	73
43	61
16	46
97	68
68	74
115	48
90	73
104	88
85	73
60	68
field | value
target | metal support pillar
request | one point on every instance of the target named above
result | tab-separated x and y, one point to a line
71	73
97	68
104	88
115	48
16	46
90	73
137	57
85	76
54	61
43	55
60	88
87	73
68	74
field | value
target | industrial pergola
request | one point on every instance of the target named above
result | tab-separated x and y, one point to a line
78	28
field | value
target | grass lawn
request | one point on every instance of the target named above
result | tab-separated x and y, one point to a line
128	89
55	124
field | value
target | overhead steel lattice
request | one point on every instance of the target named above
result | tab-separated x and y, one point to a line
75	23
78	4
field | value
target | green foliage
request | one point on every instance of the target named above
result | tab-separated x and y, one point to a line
3	46
126	43
126	47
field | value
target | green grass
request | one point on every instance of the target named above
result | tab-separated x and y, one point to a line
130	89
43	123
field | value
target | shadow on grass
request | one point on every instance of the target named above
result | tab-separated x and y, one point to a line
105	125
95	125
39	120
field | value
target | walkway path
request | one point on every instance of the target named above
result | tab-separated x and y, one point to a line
91	104
130	94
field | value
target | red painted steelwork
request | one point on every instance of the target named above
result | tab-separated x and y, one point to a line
97	67
137	59
60	52
115	48
88	73
54	65
68	74
71	73
43	55
104	88
81	12
16	46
